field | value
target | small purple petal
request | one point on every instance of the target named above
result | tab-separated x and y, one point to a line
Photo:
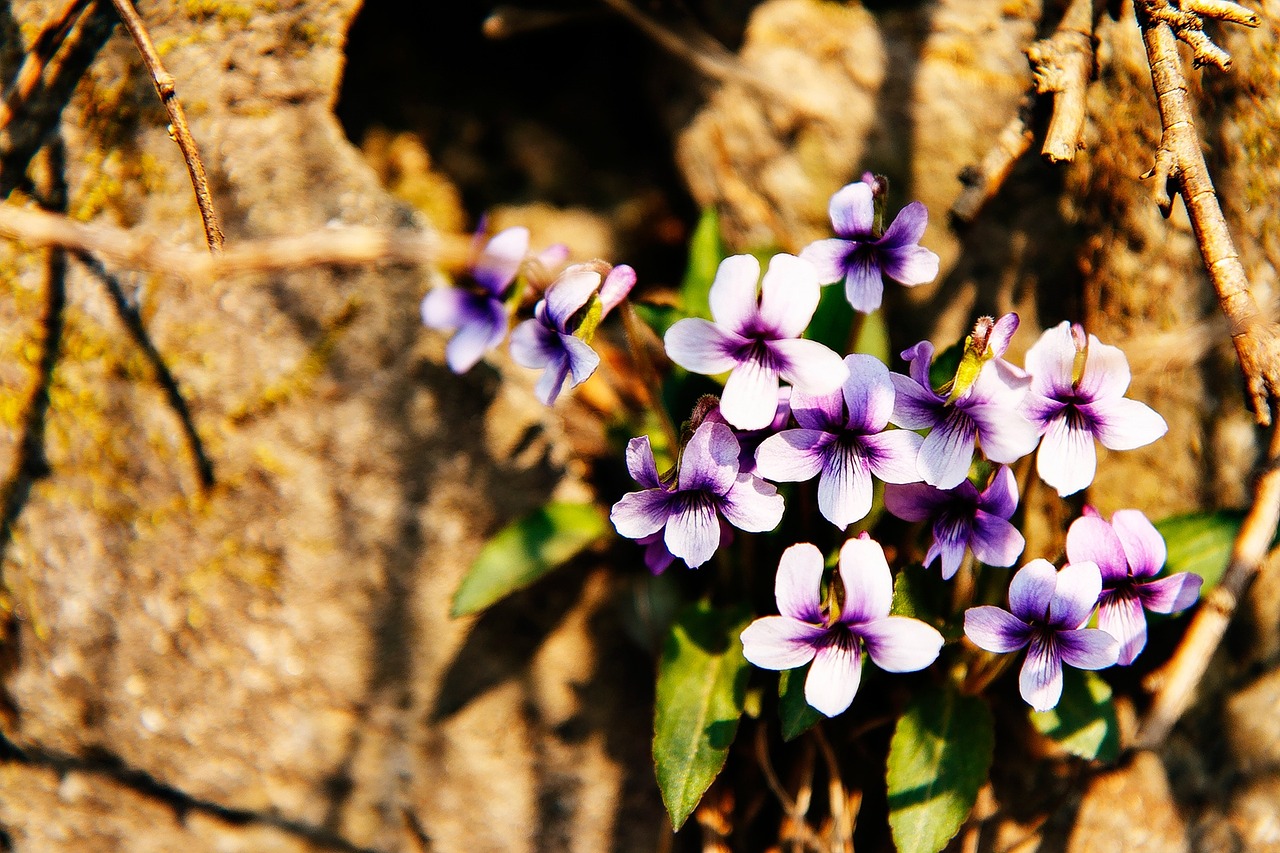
835	674
583	360
617	284
868	583
657	558
1040	681
733	293
1090	539
569	294
863	283
533	345
793	456
641	464
1000	497
701	346
907	227
750	395
1079	586
789	294
947	452
710	459
914	501
1123	424
752	505
1144	547
1173	594
844	490
811	367
1049	361
910	265
828	258
995	629
868	393
693	532
551	383
1006	436
798	586
892	455
1106	372
498	264
899	644
995	541
819	411
779	642
1067	460
1088	648
949	543
1002	334
1121	617
1032	589
852	210
918	357
641	514
914	407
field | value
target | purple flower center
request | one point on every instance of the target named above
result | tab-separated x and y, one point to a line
757	350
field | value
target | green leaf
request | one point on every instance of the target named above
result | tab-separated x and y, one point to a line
797	715
706	251
945	364
922	594
938	759
832	320
1200	542
702	685
525	550
873	337
1084	723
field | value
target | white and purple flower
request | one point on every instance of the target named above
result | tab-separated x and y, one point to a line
860	257
479	315
708	483
1130	553
963	518
1077	395
1049	610
807	631
553	339
985	413
842	440
756	336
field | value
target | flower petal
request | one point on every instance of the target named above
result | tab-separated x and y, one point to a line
750	396
868	583
1032	589
828	258
844	490
641	514
914	407
819	411
1088	648
793	456
498	264
752	504
863	282
710	459
1124	424
1040	681
1092	540
1002	333
798	586
1106	372
583	360
1121	616
1005	435
907	227
995	629
813	368
693	532
914	501
1067	460
641	464
900	644
733	296
835	674
551	383
893	455
702	347
852	210
1000	497
533	345
995	541
617	284
1050	360
949	544
1144	547
947	452
570	293
779	642
910	265
789	294
868	393
1173	594
1075	596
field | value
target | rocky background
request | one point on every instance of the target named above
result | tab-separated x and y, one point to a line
268	664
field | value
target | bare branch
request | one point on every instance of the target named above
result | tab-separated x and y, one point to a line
177	122
982	183
1182	161
34	62
1178	678
326	247
1063	64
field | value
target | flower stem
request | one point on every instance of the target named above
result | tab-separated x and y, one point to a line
650	382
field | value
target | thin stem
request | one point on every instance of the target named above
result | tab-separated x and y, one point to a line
177	121
650	383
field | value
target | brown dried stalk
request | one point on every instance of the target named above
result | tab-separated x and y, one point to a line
1063	64
1179	163
177	122
983	182
37	58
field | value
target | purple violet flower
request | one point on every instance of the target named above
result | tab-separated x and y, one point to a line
963	518
756	335
1049	609
842	438
1077	395
749	440
986	413
1130	552
859	257
479	315
553	339
708	482
807	631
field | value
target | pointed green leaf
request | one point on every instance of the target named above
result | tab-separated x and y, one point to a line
525	550
706	251
702	685
797	715
1200	542
1084	723
938	759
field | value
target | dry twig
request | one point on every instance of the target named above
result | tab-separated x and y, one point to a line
1063	64
983	182
1178	678
326	247
177	121
1179	163
34	62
